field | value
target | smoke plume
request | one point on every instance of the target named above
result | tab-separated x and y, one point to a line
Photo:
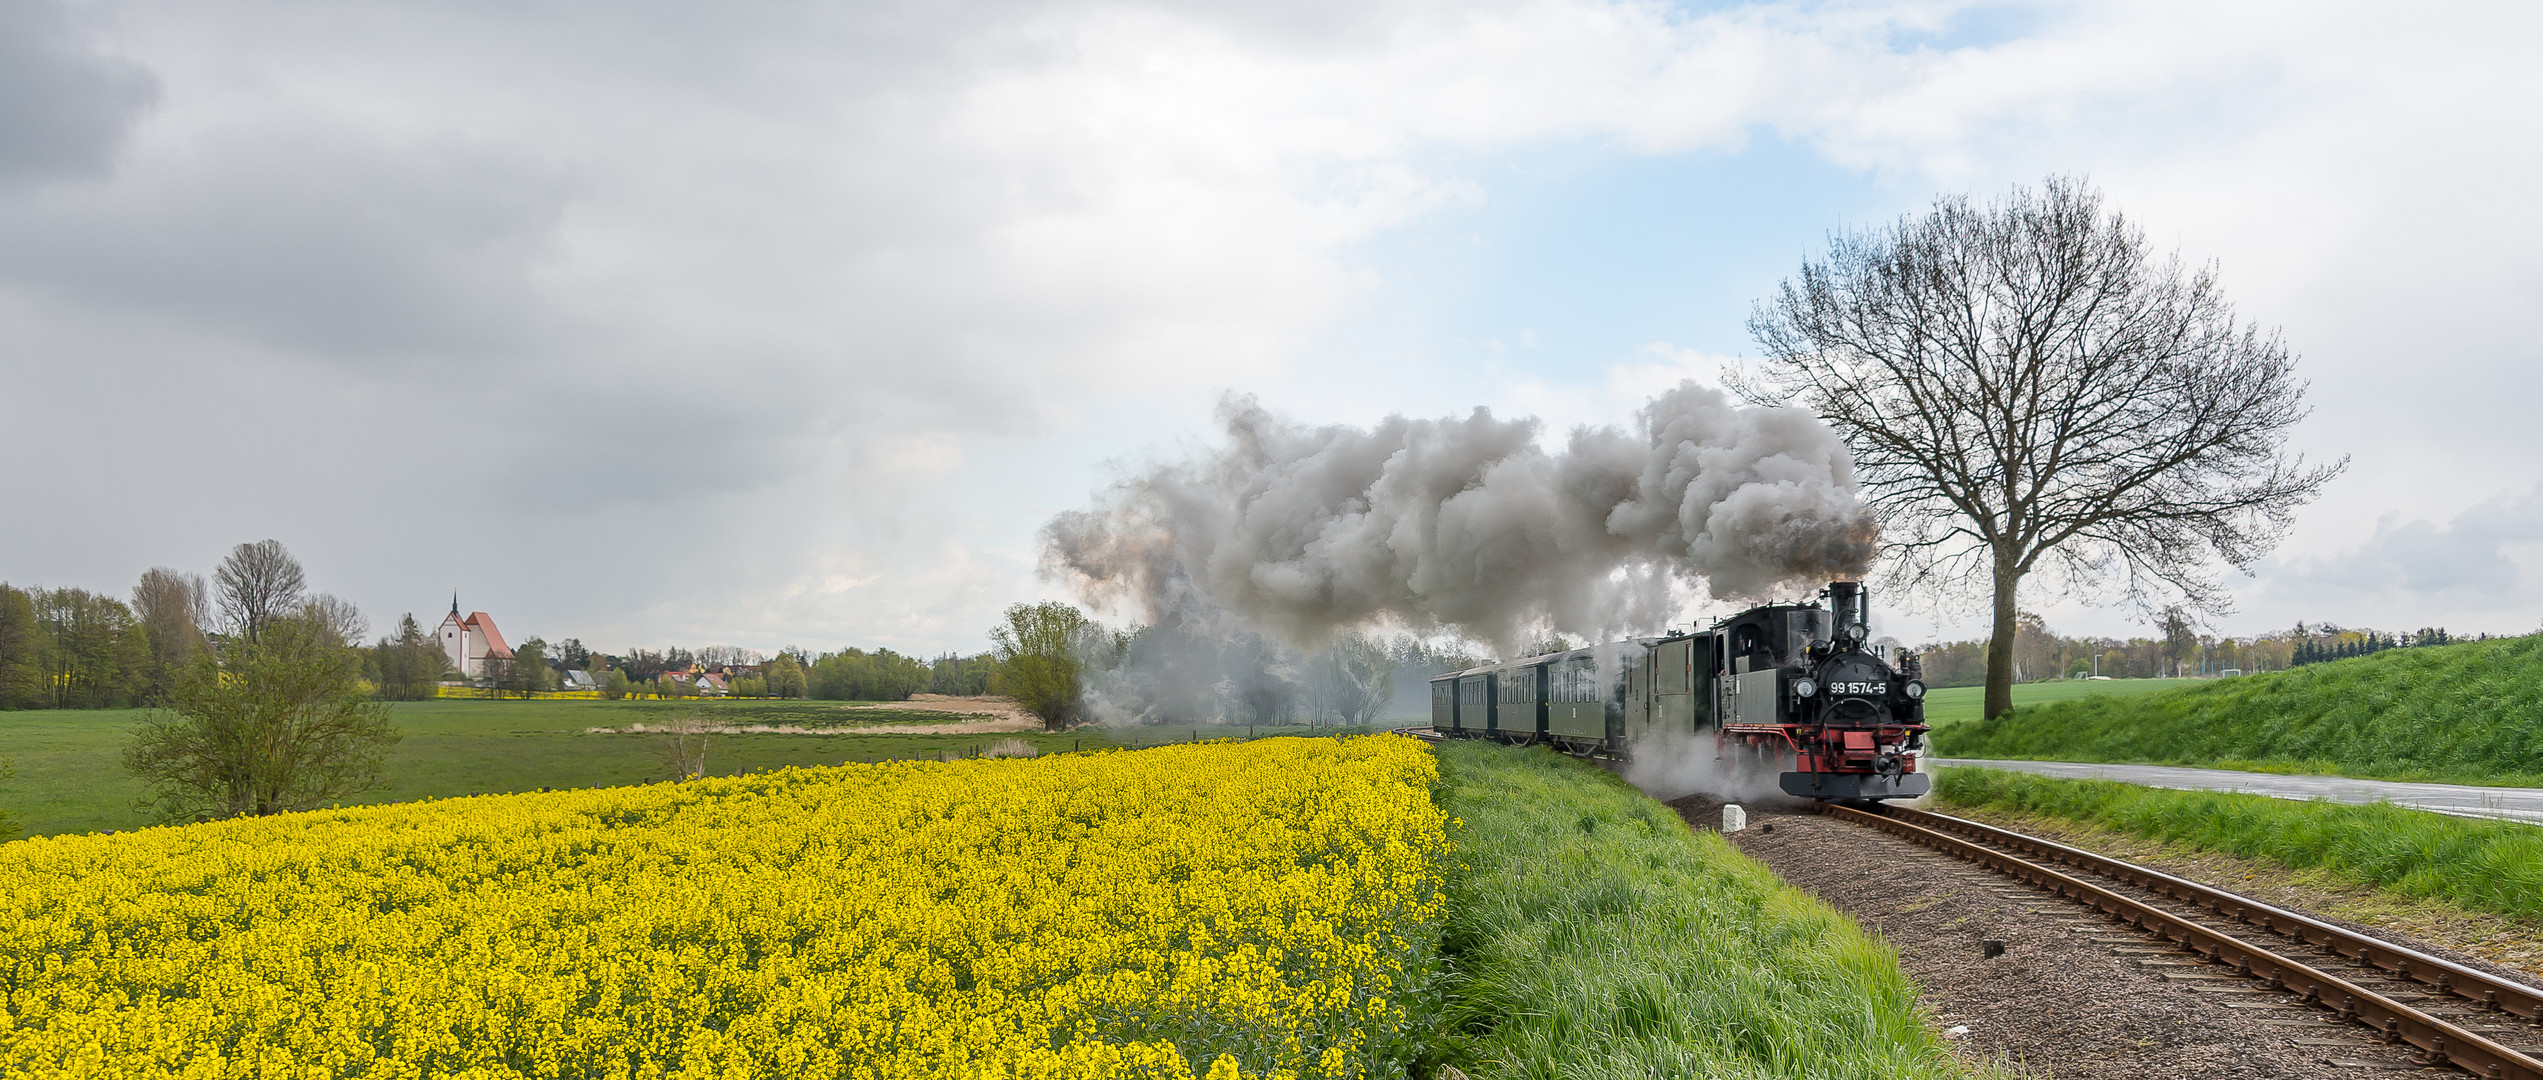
1677	764
1469	526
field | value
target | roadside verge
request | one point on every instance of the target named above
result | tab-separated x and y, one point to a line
2487	866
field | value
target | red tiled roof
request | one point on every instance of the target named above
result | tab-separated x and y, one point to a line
495	645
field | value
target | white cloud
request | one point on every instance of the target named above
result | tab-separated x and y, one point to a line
646	323
2481	568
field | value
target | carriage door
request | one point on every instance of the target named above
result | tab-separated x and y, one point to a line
1543	675
1700	681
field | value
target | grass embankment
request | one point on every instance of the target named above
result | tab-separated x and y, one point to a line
2491	866
2469	713
1962	704
1594	935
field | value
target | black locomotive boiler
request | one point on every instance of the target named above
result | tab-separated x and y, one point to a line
1792	685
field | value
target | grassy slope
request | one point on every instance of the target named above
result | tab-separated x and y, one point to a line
70	776
1594	935
2469	713
2492	866
1956	704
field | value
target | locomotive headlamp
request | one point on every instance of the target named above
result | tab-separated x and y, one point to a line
1804	688
1915	689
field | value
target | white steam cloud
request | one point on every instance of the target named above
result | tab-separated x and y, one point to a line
1468	525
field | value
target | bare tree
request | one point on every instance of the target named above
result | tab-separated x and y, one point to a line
681	744
259	583
336	618
2034	648
175	610
411	664
173	604
2026	386
723	655
1363	676
2180	636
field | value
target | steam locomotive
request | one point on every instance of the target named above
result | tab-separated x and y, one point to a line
1795	685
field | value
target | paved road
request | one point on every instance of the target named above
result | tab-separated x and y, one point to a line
2514	804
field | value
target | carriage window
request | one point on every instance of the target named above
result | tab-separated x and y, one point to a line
1517	687
1576	681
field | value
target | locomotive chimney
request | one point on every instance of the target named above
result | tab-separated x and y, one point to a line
1846	603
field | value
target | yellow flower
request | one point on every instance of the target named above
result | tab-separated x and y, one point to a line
1253	906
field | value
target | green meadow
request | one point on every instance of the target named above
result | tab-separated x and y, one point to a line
1955	704
70	775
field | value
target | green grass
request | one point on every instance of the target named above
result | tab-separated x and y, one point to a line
70	775
1959	704
2492	866
1592	934
2469	713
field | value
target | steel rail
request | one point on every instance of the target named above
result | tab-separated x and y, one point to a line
2399	1022
2475	986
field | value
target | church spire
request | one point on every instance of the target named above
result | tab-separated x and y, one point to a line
454	603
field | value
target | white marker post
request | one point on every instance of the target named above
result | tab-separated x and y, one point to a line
1733	818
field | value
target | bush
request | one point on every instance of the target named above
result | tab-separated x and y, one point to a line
1010	748
1042	651
279	723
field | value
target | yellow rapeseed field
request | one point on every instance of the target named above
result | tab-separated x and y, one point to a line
1221	910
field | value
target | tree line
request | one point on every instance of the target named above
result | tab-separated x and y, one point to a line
71	648
2332	643
2178	649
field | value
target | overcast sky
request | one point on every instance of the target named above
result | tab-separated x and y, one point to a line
761	324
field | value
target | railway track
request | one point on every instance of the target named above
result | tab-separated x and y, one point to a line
2484	1024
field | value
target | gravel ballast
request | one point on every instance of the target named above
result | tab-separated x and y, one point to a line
2073	994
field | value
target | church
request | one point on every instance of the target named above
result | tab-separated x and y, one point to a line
472	641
